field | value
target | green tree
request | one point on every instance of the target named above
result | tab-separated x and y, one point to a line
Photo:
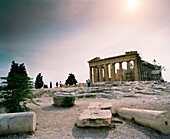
15	90
39	81
71	79
50	84
45	86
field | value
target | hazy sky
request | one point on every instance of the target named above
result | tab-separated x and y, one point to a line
58	37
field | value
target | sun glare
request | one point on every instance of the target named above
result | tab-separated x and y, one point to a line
132	4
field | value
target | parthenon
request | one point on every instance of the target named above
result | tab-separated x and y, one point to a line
102	70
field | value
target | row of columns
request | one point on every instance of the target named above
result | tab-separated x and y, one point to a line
98	72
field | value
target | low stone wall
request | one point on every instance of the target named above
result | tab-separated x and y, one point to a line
17	122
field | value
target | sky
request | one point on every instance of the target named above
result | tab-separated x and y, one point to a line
58	37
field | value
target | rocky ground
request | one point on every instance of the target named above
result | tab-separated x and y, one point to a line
60	123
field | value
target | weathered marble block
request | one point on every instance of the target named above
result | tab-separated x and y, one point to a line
100	106
158	120
94	118
17	122
65	100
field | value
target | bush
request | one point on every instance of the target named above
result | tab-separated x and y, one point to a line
45	86
15	91
71	79
68	101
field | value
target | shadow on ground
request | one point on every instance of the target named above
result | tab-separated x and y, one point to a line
55	108
89	132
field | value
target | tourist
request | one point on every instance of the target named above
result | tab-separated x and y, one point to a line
57	84
60	83
88	81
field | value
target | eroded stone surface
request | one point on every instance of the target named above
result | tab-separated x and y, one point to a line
94	118
100	106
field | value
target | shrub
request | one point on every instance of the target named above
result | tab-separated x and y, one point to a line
45	86
71	79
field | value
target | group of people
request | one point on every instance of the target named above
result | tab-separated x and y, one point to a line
59	84
88	82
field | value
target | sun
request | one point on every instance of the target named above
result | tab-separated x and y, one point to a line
132	4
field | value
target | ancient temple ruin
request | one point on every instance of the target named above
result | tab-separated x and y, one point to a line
102	70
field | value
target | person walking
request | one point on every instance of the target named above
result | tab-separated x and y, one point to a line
60	83
88	82
57	84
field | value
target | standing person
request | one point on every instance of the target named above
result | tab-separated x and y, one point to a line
88	82
57	84
60	83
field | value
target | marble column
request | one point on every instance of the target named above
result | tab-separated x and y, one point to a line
120	72
101	74
97	74
128	74
113	75
106	73
91	74
94	74
136	70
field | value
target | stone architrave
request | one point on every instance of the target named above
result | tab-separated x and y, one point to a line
158	120
21	122
94	118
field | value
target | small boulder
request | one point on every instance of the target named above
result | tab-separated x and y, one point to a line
64	100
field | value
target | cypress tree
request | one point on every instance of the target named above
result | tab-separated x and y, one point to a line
50	84
39	81
15	90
